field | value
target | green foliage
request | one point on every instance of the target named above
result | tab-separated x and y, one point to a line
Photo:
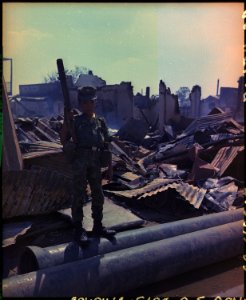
75	72
183	94
51	77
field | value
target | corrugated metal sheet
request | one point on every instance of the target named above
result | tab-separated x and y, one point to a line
42	153
37	138
50	161
33	130
156	184
40	146
191	193
211	121
129	176
33	192
225	157
221	136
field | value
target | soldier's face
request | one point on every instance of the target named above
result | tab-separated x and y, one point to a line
88	107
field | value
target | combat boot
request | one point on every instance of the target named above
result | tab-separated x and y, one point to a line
80	235
99	230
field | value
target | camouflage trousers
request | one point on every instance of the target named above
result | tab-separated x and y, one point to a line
86	166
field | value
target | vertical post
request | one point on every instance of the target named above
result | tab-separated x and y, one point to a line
12	158
195	98
11	77
162	103
148	92
217	91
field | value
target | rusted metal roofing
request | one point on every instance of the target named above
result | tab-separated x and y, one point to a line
39	148
32	130
40	153
191	193
154	185
210	121
50	161
225	157
33	192
37	137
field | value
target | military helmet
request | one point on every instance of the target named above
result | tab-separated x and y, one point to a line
86	93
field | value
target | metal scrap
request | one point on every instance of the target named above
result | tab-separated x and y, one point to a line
210	121
13	230
225	157
154	185
33	192
219	131
130	180
191	193
221	194
133	165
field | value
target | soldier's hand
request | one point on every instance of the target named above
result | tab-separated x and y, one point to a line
71	115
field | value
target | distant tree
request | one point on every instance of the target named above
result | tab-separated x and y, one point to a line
75	72
51	77
183	94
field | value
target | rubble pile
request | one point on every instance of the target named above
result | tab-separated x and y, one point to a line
202	165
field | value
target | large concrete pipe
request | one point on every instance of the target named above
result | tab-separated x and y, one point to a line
34	258
117	272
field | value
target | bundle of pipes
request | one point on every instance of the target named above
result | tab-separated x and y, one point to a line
120	271
34	258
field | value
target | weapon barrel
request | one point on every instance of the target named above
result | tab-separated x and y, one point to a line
62	78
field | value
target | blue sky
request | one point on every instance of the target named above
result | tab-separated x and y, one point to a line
183	44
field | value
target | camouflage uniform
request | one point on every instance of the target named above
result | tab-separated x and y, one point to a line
91	135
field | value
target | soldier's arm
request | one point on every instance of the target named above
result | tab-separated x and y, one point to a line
67	132
107	137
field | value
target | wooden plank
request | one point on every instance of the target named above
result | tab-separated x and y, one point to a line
12	158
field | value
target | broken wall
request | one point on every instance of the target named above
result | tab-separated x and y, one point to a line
206	105
146	108
125	102
151	114
42	99
168	106
90	80
115	103
107	103
195	98
228	99
239	112
33	107
172	107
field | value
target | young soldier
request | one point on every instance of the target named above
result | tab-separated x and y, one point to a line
90	134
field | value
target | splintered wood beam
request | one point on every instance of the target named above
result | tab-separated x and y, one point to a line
12	158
